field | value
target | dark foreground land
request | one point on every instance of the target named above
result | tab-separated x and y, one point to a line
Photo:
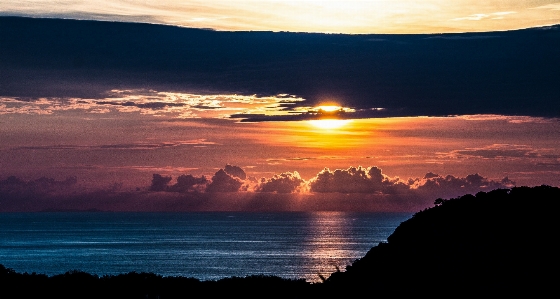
499	243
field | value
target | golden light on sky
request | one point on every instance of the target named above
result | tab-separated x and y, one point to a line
350	16
329	108
329	124
294	113
197	137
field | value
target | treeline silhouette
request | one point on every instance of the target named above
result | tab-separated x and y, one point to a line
501	242
78	284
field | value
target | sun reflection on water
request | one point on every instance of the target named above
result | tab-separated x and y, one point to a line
328	243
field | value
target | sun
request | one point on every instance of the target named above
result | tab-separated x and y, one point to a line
328	116
328	108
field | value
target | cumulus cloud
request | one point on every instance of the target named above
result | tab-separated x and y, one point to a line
185	183
287	182
355	180
159	182
352	189
228	179
371	180
188	183
235	171
434	185
224	182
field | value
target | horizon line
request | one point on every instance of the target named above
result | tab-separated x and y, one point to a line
547	26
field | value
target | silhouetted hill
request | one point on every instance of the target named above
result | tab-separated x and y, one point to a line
503	242
77	284
500	243
512	72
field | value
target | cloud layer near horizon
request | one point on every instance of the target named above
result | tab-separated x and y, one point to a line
351	189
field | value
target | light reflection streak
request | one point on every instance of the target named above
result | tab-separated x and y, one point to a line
328	243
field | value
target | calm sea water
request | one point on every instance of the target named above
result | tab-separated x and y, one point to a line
206	246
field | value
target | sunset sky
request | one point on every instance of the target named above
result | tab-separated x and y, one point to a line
370	117
332	16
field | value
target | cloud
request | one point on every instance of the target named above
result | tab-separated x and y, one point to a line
509	118
473	17
396	75
290	159
235	171
224	182
122	146
188	183
40	185
314	113
504	152
352	189
355	180
482	16
159	182
156	103
553	6
495	151
287	182
17	194
434	185
371	180
463	37
228	179
150	105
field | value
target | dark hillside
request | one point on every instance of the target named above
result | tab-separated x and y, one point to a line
502	242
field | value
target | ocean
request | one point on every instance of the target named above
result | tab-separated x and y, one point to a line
206	246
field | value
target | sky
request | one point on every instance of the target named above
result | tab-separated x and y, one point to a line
350	16
116	117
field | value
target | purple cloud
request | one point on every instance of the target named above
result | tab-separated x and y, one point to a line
286	182
224	182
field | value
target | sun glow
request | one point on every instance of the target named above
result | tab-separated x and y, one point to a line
329	108
329	124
